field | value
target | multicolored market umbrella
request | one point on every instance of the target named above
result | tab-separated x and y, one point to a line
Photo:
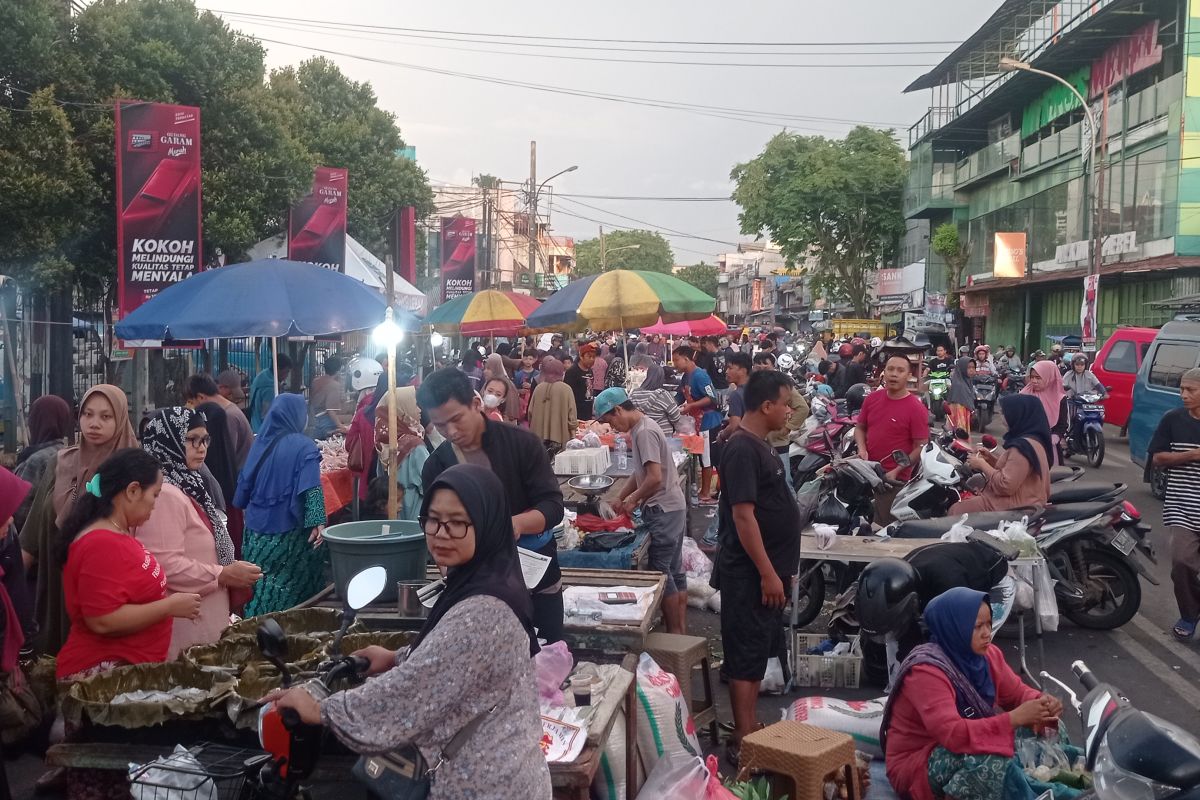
486	313
621	299
709	326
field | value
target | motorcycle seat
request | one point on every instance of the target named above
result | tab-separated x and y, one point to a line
934	528
1080	491
1069	511
1059	474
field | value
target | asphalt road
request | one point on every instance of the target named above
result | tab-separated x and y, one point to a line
1157	673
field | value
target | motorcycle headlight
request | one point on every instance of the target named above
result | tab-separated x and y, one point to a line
1113	782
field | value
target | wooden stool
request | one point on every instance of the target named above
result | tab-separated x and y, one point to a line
803	753
679	655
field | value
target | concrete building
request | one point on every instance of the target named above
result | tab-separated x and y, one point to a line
1000	153
747	284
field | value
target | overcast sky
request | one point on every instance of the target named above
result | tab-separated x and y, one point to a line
463	127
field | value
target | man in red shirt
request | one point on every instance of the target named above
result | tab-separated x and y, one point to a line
892	420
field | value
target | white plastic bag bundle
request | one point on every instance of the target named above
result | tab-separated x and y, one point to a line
1047	603
959	533
773	681
674	777
169	782
1017	532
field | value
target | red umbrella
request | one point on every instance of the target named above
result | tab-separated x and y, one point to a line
711	325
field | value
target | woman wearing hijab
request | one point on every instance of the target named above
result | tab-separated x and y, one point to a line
653	400
553	415
949	726
49	426
1020	476
616	374
103	429
510	404
187	534
221	461
279	490
470	661
1045	383
412	446
960	400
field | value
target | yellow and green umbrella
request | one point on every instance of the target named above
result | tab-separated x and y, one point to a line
621	299
487	313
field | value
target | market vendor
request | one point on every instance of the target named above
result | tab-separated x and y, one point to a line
653	487
949	726
519	460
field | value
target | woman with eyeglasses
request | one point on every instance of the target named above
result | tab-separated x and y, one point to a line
187	533
470	663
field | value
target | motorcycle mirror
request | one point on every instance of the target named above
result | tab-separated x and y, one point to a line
365	587
272	642
976	483
961	433
901	458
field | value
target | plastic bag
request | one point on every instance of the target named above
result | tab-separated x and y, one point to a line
715	790
551	666
676	776
1017	532
664	725
181	780
1046	604
826	535
686	425
772	682
807	497
959	533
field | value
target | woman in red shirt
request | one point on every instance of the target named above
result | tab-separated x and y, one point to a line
115	590
949	725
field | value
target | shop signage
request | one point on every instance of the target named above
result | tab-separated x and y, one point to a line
889	284
974	305
1114	244
1136	52
458	257
1009	255
317	221
1053	103
756	295
1087	311
158	199
935	305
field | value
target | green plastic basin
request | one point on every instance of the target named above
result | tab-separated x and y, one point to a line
354	546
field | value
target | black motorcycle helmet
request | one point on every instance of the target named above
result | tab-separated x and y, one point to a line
855	396
887	597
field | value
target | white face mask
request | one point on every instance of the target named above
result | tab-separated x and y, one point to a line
491	401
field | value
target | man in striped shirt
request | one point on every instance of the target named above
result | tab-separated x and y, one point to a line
1176	448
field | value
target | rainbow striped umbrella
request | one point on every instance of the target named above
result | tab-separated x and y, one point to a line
621	299
487	313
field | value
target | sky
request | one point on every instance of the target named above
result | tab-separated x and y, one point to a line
463	127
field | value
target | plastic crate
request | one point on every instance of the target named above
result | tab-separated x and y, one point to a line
217	773
582	461
825	671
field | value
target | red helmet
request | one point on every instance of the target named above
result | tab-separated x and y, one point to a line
846	350
858	340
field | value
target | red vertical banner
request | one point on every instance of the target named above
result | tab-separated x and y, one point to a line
317	222
458	257
1088	312
158	199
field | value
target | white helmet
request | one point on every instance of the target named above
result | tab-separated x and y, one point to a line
786	362
363	373
876	342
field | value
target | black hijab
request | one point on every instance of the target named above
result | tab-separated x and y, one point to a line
962	390
495	569
220	459
1026	419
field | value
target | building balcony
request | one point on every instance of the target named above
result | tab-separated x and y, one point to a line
930	185
984	163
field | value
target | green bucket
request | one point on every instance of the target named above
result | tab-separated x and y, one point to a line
354	546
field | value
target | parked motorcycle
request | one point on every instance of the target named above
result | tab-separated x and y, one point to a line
828	432
937	387
1012	382
985	400
294	746
1132	755
1086	434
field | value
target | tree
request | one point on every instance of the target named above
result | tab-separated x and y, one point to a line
836	200
702	276
652	253
956	253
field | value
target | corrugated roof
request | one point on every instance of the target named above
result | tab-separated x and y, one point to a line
1003	15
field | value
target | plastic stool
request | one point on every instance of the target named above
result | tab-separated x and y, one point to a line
679	655
803	753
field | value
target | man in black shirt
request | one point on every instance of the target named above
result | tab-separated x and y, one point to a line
711	360
941	361
855	372
579	378
519	460
759	547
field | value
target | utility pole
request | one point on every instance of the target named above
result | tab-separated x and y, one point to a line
603	252
533	198
489	282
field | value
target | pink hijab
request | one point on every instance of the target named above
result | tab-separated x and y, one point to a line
1052	392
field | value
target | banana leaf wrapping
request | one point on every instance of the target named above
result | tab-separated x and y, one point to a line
392	640
91	698
233	654
319	622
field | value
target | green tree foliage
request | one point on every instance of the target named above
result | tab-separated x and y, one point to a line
653	253
836	200
260	138
956	253
702	276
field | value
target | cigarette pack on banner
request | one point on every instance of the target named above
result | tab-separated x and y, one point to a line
825	670
583	461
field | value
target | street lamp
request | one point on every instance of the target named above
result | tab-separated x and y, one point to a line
1012	65
604	252
533	200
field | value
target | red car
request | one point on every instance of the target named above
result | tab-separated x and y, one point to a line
1117	365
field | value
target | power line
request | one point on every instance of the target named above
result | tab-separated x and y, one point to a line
653	225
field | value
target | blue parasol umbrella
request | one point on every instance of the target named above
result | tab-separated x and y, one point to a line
270	297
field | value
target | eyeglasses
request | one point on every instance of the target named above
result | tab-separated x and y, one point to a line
454	528
198	442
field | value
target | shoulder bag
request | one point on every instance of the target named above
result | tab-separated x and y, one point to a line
404	774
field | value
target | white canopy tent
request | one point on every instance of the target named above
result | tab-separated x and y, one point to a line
361	265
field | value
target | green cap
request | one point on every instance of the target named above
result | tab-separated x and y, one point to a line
607	400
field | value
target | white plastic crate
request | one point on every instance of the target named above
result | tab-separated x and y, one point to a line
584	461
825	671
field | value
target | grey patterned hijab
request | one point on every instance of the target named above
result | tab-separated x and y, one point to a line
164	439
